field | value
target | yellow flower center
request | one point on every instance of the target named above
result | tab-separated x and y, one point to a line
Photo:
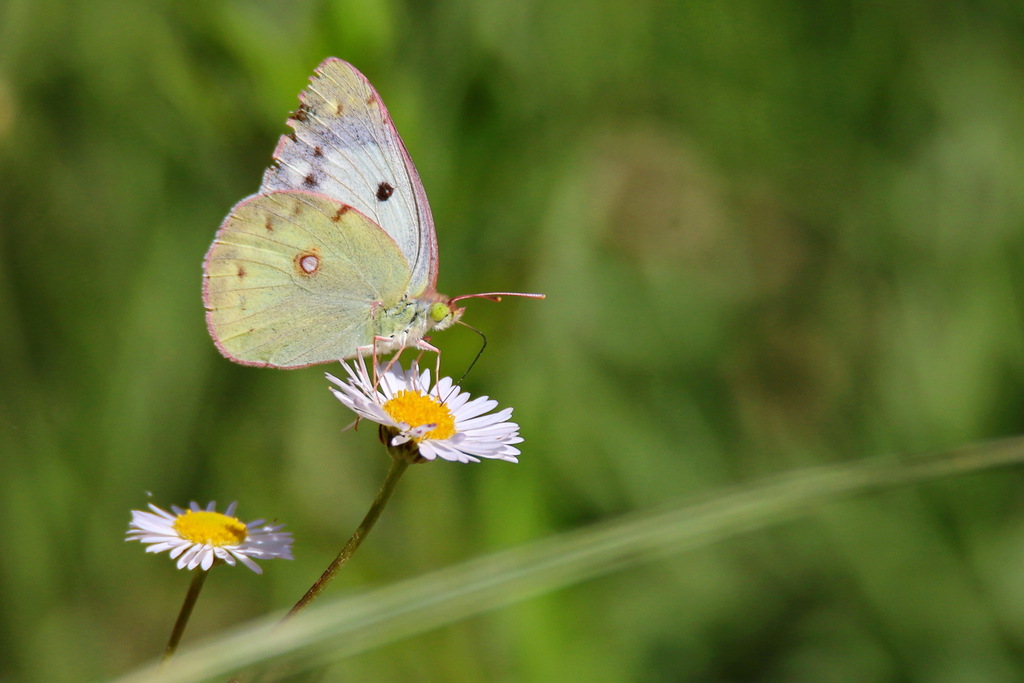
415	409
210	528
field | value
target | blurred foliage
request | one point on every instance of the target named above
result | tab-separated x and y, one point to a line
772	235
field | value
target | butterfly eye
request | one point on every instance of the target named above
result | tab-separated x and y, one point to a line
439	311
384	191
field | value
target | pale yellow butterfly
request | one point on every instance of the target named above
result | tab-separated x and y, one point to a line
336	254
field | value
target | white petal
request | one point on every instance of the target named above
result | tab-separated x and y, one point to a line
249	563
162	513
160	547
455	400
485	421
226	555
207	560
428	450
478	406
164	541
154	526
189	556
179	549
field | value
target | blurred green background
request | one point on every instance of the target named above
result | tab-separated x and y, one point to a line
772	235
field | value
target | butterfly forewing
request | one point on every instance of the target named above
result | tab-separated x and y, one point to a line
293	277
345	146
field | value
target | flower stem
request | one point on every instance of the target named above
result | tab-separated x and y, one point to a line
194	588
398	467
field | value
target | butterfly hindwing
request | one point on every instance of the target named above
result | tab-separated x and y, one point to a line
344	145
293	277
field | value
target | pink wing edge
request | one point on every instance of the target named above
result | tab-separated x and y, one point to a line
206	277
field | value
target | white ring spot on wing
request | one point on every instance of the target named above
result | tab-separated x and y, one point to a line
309	263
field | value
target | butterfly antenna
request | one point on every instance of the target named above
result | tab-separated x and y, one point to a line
478	353
495	296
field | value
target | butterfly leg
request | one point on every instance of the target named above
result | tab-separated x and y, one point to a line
374	350
425	347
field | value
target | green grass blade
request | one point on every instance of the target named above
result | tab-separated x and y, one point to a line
355	624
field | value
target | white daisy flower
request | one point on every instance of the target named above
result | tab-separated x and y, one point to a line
199	537
440	420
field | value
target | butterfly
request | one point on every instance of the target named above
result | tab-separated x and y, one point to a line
336	254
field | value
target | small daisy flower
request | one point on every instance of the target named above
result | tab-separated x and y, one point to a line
199	537
440	421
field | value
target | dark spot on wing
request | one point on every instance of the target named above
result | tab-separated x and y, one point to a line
339	109
345	208
301	114
384	191
310	181
317	152
293	136
372	99
241	272
268	225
